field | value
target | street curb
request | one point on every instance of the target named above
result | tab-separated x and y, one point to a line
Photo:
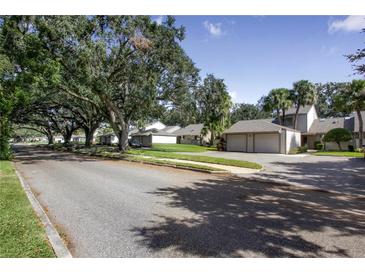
54	238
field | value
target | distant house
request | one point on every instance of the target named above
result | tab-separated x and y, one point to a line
156	136
192	134
111	138
58	139
78	138
108	139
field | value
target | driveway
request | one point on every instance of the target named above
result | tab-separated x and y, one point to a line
342	174
119	209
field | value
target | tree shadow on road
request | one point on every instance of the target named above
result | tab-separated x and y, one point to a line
345	177
237	218
32	154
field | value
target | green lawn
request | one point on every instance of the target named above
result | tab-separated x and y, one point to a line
180	148
21	233
195	158
340	154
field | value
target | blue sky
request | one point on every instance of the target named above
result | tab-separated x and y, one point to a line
255	54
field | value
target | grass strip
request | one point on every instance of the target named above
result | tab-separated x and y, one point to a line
177	164
340	154
21	233
196	158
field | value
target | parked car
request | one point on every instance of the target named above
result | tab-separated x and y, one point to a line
135	143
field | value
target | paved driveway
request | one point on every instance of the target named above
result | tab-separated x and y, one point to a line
346	175
121	209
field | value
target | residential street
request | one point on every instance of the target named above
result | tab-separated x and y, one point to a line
112	208
341	174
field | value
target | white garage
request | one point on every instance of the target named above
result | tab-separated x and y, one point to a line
237	142
261	136
267	142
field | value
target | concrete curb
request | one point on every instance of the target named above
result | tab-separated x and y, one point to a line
54	238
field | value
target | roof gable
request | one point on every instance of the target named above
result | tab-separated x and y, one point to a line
302	110
192	129
251	126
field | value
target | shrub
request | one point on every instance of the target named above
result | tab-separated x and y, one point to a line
351	148
303	149
298	150
319	146
337	135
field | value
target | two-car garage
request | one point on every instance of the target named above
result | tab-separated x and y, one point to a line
253	142
260	136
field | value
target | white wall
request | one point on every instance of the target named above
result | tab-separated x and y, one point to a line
311	116
293	140
334	146
163	139
357	142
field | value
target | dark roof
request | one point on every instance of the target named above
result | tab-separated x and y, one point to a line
192	129
251	126
169	129
356	128
322	126
302	110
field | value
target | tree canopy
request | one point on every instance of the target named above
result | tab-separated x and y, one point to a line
214	103
337	135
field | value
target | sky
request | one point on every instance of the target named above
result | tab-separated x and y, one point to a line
254	54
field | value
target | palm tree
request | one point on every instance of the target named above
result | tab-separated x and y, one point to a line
303	93
350	99
278	100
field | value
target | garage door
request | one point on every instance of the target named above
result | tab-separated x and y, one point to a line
267	143
236	142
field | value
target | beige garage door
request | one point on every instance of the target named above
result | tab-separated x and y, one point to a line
236	142
267	143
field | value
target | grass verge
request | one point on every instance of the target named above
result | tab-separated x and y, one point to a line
21	233
180	148
340	154
196	158
177	164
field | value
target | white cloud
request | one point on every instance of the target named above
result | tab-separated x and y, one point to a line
350	23
233	95
214	29
159	20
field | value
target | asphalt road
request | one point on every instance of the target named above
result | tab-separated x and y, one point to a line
120	209
342	174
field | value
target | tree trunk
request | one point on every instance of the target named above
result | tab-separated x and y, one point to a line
361	128
339	145
89	135
278	115
283	118
211	138
123	138
67	137
50	139
296	117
